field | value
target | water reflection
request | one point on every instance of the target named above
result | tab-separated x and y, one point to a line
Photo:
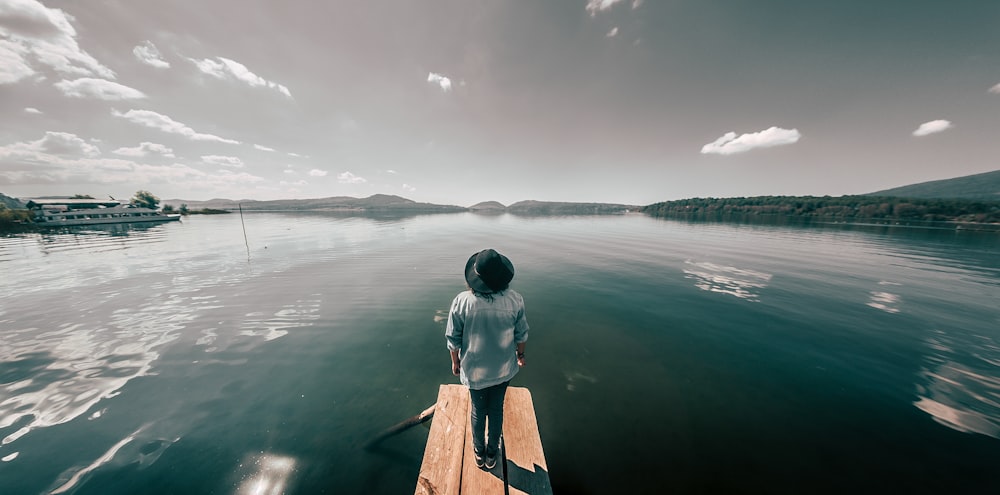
738	282
961	390
886	301
296	315
265	474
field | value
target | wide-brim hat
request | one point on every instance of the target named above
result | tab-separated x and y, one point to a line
488	271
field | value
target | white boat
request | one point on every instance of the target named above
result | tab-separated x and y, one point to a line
61	212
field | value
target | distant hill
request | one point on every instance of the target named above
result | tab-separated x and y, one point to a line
980	187
488	206
384	203
559	208
375	203
9	202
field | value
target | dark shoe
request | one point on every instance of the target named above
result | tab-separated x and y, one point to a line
480	462
491	460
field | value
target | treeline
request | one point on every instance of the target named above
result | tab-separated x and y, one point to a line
10	217
840	208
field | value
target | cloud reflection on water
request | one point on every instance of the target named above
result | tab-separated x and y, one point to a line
738	282
964	397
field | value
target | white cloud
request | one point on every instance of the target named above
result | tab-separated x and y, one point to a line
349	124
36	33
149	55
300	182
296	155
349	178
932	127
730	143
61	144
390	171
32	110
995	89
612	33
289	171
318	173
223	68
144	149
13	65
595	6
223	161
263	148
155	120
88	87
409	188
65	158
443	82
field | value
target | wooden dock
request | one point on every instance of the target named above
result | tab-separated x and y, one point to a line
449	466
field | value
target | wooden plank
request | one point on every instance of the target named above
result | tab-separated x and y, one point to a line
478	481
527	472
441	469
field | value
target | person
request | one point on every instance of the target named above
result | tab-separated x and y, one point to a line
486	335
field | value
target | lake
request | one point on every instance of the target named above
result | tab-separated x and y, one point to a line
664	356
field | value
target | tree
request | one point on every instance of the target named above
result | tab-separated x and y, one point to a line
82	196
145	199
168	208
184	209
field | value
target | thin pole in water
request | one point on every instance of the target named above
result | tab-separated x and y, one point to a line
244	231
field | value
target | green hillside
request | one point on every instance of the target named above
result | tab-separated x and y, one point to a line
983	187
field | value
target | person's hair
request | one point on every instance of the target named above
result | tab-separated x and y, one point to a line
489	295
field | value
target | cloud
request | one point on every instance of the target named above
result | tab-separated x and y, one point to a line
65	158
730	143
289	171
318	173
408	188
443	82
300	182
932	127
263	148
155	120
223	161
149	55
34	33
612	33
349	178
88	87
995	89
32	110
60	144
13	65
349	124
391	171
144	149
223	68
595	6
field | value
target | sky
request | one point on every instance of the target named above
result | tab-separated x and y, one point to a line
463	101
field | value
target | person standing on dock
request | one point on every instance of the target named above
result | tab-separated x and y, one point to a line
486	335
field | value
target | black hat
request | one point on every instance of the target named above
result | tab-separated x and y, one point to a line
488	271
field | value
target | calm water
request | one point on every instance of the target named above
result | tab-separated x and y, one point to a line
664	356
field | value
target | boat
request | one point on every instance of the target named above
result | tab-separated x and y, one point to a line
64	212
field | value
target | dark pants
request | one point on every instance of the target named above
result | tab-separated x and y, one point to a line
487	405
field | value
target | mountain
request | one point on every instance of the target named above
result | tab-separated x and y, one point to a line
984	186
375	203
9	202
